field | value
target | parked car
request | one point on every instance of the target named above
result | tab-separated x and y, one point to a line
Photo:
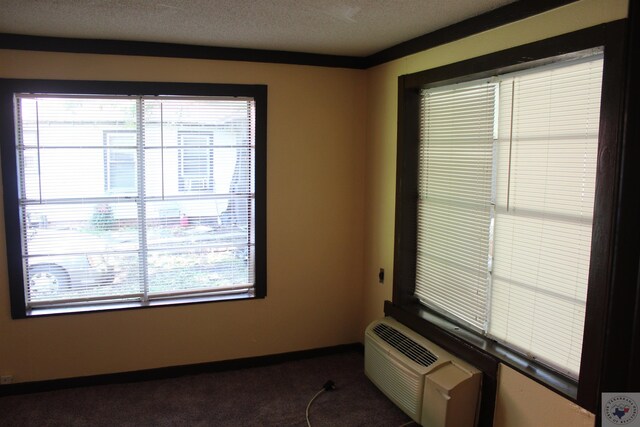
67	264
65	261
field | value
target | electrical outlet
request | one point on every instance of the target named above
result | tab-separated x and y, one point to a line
6	379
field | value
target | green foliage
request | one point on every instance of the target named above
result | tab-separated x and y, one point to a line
102	218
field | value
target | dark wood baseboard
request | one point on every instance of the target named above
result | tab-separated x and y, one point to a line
174	371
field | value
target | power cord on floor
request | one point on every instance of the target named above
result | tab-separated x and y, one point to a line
328	386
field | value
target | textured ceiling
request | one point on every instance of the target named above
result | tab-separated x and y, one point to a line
340	27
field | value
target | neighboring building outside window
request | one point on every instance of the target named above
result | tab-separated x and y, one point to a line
120	168
195	160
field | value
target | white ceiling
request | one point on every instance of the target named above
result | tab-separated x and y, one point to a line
340	27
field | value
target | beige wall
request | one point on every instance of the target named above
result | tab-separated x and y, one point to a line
525	403
382	127
380	173
315	206
331	199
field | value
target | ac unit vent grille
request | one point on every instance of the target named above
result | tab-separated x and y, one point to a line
405	345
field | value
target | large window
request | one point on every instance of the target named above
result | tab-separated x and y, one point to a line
110	199
507	186
506	190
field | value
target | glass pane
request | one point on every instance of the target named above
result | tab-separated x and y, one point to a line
229	120
455	200
80	251
62	145
74	122
545	187
192	246
64	173
197	268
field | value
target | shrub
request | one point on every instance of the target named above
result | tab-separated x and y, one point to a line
102	218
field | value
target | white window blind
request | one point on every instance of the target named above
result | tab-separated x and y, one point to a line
455	200
93	233
545	190
516	265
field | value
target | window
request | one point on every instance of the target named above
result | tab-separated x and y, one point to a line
120	162
109	198
506	204
506	189
195	160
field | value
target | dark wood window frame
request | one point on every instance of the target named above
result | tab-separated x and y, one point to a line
9	87
506	14
475	348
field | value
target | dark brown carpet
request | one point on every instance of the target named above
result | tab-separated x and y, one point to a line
275	395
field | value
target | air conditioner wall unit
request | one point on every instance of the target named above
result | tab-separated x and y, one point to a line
432	386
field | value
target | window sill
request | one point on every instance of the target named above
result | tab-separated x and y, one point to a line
118	306
476	349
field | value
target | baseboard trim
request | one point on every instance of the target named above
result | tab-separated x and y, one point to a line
174	371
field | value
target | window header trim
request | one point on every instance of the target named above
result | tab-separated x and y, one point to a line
574	45
495	18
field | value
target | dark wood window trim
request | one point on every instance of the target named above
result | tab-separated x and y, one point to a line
174	50
468	345
8	87
501	16
486	21
621	357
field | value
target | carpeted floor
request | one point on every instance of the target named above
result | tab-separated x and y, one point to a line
275	395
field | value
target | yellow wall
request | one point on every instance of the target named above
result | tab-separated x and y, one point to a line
331	199
315	211
381	161
525	403
382	127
